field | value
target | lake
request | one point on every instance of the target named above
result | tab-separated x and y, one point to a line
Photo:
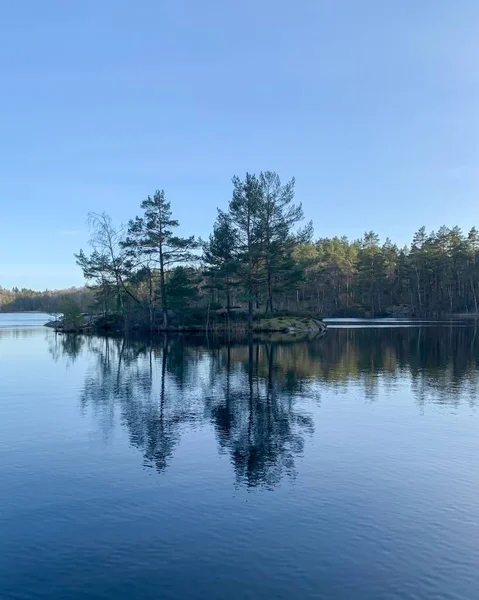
345	467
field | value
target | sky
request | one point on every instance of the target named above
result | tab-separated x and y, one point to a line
372	105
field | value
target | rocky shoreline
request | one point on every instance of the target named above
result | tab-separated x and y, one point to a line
290	325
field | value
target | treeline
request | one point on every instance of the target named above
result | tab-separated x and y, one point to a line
258	259
437	274
26	300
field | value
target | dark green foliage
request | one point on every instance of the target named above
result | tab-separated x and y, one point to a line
71	313
181	288
220	258
252	246
277	218
151	242
259	260
244	212
438	274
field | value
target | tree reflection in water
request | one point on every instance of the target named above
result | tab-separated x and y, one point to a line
256	395
257	417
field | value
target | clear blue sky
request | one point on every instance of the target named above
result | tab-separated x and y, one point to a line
372	105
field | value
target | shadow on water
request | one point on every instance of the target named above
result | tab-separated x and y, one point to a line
256	395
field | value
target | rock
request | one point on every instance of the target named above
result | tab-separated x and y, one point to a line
61	327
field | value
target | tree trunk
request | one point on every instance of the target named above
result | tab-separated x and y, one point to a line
474	296
269	303
164	302
418	290
228	305
250	273
208	315
150	298
250	314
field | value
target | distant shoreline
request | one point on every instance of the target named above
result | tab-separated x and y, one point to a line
24	312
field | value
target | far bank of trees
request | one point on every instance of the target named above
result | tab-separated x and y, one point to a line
437	274
26	300
262	257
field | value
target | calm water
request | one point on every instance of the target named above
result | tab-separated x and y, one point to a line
344	468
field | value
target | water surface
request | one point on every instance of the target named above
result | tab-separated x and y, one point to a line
344	467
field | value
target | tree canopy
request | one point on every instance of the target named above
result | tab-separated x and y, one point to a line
262	257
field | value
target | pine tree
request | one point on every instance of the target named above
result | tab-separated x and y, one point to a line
151	239
220	256
277	217
181	290
244	213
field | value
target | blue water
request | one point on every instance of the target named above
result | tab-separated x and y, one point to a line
23	321
340	468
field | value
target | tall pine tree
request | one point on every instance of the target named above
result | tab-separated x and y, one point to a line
151	238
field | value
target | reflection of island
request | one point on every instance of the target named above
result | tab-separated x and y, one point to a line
253	394
66	346
157	390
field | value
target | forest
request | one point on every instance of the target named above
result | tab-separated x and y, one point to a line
261	258
49	301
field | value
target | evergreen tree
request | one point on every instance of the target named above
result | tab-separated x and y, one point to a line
220	256
181	288
244	212
472	271
371	272
151	239
277	217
